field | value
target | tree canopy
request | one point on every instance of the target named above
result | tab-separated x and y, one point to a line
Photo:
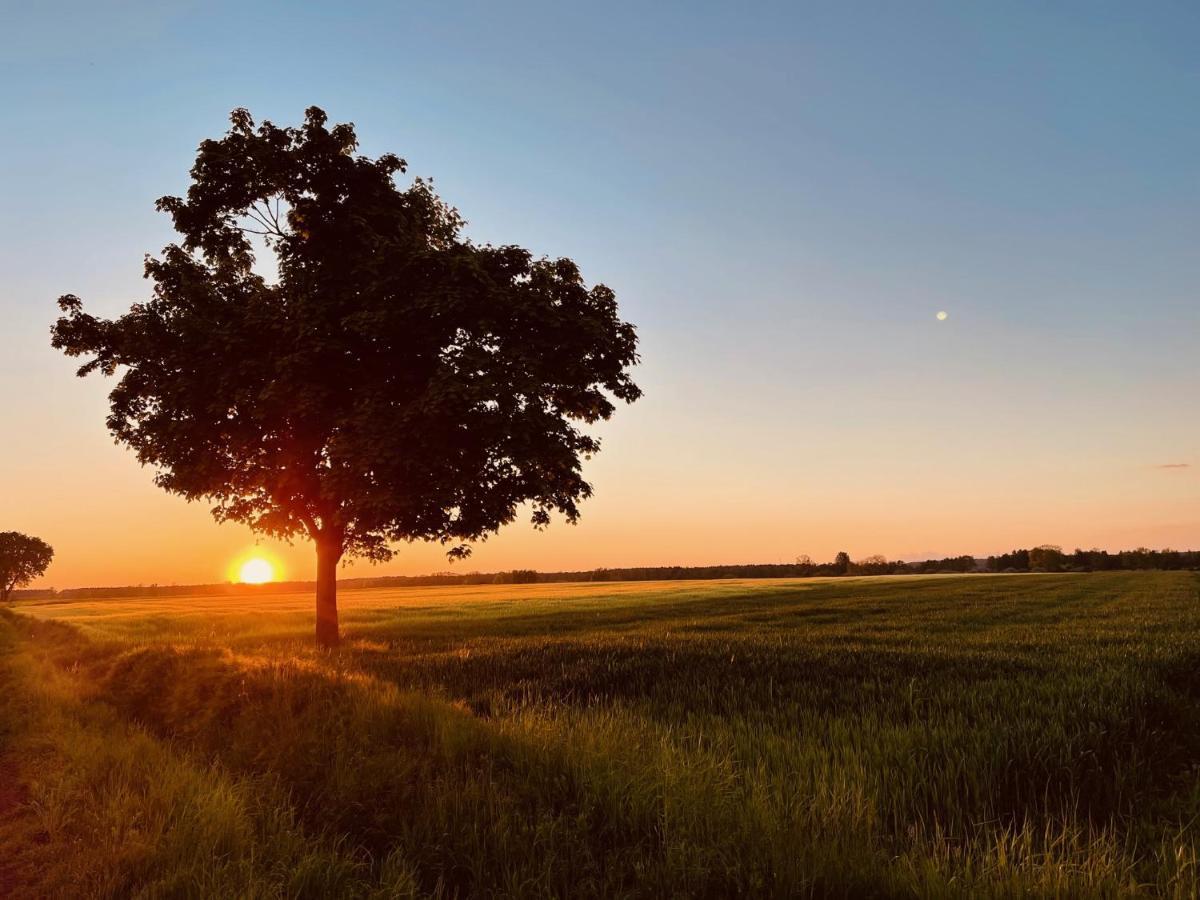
22	559
391	380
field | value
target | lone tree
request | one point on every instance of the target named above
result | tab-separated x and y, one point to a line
22	559
392	381
841	563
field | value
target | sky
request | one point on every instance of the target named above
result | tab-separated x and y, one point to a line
783	197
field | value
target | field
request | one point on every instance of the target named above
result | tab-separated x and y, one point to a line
936	736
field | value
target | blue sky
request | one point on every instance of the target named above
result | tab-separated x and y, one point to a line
783	196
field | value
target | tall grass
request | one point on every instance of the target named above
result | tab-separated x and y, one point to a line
1004	736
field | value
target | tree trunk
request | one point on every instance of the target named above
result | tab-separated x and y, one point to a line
328	556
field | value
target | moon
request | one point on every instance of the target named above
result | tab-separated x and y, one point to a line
942	315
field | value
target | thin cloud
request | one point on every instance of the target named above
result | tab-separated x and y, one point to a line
1174	466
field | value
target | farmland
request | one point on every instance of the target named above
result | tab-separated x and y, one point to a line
934	736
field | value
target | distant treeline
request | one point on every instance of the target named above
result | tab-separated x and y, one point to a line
1049	558
1046	558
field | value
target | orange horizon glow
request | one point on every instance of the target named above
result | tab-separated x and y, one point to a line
144	536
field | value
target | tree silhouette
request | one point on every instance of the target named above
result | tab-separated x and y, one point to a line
1047	558
841	563
394	382
22	559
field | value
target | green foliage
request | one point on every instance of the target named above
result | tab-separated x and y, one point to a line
22	559
962	737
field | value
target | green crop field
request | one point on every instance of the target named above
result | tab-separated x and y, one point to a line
938	736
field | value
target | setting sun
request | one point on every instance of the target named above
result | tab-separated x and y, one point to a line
256	571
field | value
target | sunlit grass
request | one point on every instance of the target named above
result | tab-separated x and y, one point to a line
938	736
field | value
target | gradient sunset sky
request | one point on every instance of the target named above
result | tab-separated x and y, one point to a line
783	197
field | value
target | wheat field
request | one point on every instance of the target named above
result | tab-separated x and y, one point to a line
1034	735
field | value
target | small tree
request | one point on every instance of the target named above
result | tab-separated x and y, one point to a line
1047	558
22	559
875	564
395	382
841	563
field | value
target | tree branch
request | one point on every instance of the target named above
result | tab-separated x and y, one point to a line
310	523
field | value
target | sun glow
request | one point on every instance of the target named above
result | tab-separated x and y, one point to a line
256	571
